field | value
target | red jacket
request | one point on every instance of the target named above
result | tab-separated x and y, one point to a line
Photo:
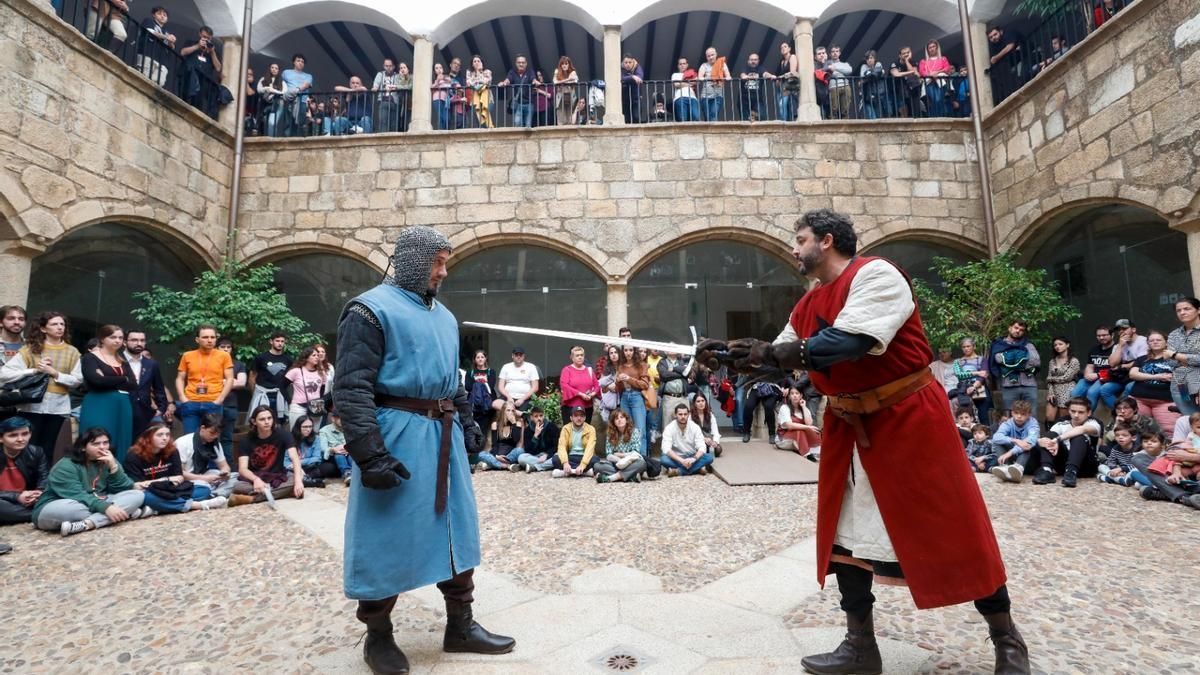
574	382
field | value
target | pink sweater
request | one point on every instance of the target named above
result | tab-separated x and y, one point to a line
574	381
938	66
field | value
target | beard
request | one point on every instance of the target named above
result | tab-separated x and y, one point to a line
135	350
807	263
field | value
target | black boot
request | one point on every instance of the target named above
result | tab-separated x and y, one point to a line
858	653
380	651
1012	656
464	635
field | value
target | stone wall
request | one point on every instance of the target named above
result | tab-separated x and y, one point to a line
610	195
85	139
1116	119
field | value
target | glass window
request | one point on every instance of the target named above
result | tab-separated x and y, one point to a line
723	288
526	286
916	257
318	285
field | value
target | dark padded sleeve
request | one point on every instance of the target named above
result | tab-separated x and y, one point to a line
827	347
360	355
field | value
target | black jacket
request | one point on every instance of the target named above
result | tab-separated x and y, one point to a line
150	391
33	466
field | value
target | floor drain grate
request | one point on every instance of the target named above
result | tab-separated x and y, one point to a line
622	662
622	659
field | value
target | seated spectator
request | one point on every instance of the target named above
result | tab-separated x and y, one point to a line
541	443
624	461
769	394
312	453
23	472
333	439
260	462
109	381
1152	376
1015	439
1128	348
1181	451
518	380
106	15
87	489
1061	372
1069	447
964	419
508	441
1153	445
683	449
981	454
314	118
202	456
157	469
579	384
706	419
309	385
576	448
1126	412
797	432
1118	468
1095	383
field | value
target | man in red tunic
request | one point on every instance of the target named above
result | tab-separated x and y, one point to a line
895	500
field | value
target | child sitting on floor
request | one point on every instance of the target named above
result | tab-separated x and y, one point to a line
1119	467
980	452
1177	472
1153	444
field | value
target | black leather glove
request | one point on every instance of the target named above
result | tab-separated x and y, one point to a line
472	437
749	354
383	472
711	352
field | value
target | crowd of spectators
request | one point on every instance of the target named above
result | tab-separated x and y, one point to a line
1149	384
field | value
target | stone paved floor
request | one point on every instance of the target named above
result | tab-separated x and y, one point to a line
256	590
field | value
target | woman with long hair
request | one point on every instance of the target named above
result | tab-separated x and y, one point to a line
1153	375
479	84
87	489
311	449
1061	373
626	460
440	95
797	432
936	70
1183	347
566	82
260	462
271	88
508	441
404	90
706	419
109	382
632	382
309	383
154	463
47	351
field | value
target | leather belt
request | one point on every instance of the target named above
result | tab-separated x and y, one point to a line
433	409
853	407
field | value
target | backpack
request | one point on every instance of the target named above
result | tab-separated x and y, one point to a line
480	398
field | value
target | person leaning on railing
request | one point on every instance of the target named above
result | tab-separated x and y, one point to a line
714	72
906	84
936	70
357	114
108	14
440	96
155	45
566	82
270	91
685	104
479	84
202	72
788	94
875	101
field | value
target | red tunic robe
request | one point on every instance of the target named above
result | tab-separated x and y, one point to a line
928	497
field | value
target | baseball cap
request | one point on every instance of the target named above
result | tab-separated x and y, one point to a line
518	350
1122	323
579	409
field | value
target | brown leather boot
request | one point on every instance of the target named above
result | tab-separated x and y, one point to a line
858	654
380	651
464	634
240	500
1012	656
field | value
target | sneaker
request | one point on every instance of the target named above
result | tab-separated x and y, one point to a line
774	439
703	471
1190	500
1151	493
672	473
76	527
528	468
1070	478
745	438
589	473
1103	477
557	473
215	503
999	472
603	478
146	512
346	478
1044	476
514	467
482	466
1015	473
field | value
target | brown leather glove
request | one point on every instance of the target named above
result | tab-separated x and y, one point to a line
712	353
750	354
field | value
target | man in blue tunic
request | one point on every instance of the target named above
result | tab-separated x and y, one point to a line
411	519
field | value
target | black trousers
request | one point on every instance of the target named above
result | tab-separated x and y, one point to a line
11	514
459	588
855	584
1078	453
769	403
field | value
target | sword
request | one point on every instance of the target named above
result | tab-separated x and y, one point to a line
665	347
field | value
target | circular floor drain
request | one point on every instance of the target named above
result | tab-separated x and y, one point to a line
621	662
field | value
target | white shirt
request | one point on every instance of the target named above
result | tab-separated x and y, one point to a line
135	365
682	92
878	304
185	446
518	380
685	443
1064	426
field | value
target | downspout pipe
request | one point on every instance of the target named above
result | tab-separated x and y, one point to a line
985	179
239	136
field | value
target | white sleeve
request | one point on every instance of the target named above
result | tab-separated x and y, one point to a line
788	334
73	378
783	414
879	303
14	369
716	431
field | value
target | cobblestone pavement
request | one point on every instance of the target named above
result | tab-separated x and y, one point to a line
249	589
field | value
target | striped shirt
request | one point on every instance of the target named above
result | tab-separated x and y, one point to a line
1120	459
1187	342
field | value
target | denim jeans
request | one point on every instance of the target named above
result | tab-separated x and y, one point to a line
177	505
441	115
191	412
526	459
703	461
523	115
633	403
712	108
935	94
1185	403
687	109
1097	390
787	107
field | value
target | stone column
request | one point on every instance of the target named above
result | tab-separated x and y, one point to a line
422	95
802	36
982	98
612	76
16	264
618	306
1193	248
233	75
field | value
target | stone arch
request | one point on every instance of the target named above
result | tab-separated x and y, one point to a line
142	219
761	11
655	249
1037	231
276	254
961	244
11	226
277	18
467	244
297	242
485	11
940	13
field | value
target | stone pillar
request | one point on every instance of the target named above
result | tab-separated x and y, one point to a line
1193	248
982	98
16	264
233	76
422	96
618	306
802	36
612	77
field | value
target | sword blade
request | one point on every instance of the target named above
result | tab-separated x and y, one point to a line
667	347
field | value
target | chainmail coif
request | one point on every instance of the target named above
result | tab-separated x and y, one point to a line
412	259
